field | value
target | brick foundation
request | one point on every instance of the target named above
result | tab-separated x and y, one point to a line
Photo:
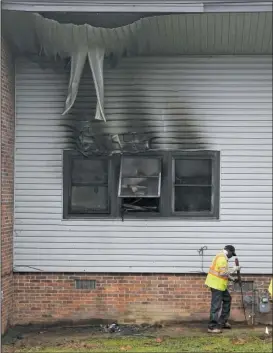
7	175
50	298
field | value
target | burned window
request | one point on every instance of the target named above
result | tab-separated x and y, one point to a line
195	184
140	184
163	184
88	190
140	177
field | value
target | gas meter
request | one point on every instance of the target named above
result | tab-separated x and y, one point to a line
264	305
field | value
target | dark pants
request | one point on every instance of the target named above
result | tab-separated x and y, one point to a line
219	300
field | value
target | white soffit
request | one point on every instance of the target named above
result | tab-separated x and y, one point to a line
178	6
180	34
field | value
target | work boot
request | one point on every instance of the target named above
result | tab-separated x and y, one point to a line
227	326
214	330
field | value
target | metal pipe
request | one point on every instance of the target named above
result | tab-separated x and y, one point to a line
2	293
253	307
241	288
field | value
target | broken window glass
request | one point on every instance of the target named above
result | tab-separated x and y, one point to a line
146	204
192	185
140	177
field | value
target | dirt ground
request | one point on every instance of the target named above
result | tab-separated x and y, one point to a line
175	338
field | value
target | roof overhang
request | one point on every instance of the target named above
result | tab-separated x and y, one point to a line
160	6
175	34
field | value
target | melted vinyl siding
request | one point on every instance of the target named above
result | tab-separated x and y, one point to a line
223	103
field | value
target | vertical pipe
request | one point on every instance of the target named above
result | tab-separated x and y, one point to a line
1	142
1	298
253	306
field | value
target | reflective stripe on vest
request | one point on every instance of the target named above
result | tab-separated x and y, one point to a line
214	278
213	271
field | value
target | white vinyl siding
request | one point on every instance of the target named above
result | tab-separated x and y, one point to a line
223	103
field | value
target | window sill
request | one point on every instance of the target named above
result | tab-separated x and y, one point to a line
142	218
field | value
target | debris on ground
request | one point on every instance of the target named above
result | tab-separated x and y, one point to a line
112	328
141	338
128	330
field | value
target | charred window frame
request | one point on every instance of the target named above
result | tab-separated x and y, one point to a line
165	203
195	176
77	185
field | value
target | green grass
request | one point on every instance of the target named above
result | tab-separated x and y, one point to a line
197	344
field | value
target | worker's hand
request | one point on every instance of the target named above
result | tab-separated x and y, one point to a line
234	269
233	279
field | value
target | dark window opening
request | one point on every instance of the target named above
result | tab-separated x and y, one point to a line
192	199
89	199
87	186
193	185
196	184
143	205
193	172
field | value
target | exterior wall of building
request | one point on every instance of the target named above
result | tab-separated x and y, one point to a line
218	103
7	185
224	103
127	298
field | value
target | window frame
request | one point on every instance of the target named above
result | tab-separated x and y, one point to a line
68	157
161	155
166	199
214	156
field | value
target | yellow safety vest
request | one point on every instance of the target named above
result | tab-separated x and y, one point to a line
270	288
219	266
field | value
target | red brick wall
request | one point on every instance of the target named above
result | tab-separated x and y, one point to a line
7	173
51	298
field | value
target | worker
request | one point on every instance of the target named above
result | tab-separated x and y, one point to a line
270	288
217	280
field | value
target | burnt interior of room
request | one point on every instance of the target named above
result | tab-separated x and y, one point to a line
140	184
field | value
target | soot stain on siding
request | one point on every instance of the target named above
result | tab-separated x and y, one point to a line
134	113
